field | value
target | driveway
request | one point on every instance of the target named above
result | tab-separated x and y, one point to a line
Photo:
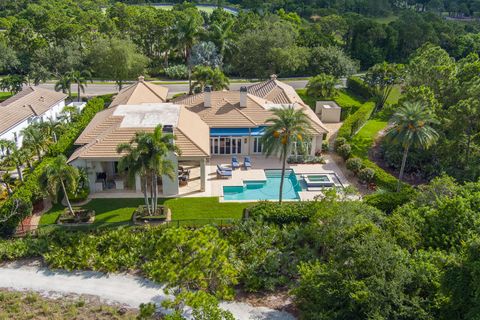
110	288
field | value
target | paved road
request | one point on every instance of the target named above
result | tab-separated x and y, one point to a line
99	89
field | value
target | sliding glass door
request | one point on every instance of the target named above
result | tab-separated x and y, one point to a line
225	145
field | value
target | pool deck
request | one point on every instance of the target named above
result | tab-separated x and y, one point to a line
215	186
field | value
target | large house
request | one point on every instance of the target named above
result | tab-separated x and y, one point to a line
32	104
205	125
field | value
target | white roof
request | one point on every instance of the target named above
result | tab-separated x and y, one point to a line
148	115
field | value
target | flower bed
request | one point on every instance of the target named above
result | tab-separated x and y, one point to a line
80	216
140	215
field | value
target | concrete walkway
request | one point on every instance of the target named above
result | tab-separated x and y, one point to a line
112	288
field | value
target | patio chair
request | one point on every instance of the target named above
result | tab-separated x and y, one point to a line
247	163
223	172
235	163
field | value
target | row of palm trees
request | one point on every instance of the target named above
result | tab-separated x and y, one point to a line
80	78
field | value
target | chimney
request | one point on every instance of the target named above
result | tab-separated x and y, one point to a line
243	97
141	78
273	77
208	97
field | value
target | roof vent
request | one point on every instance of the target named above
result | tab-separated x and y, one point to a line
243	97
273	77
208	97
168	128
141	78
42	99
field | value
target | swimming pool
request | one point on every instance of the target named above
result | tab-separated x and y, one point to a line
265	190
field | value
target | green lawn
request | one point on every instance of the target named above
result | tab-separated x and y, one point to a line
4	96
344	98
363	140
394	95
120	210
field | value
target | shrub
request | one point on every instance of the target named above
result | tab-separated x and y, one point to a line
283	213
339	142
356	120
354	165
388	201
358	87
322	86
344	151
177	72
366	175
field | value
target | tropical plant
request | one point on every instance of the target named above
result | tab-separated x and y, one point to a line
204	76
381	79
69	114
34	138
64	84
223	36
17	158
286	128
146	155
411	127
80	78
6	146
57	175
322	86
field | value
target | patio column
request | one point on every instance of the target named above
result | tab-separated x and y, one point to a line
313	145
138	183
203	174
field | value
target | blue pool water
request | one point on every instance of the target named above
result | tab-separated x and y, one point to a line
265	190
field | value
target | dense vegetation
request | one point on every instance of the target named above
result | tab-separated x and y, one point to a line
340	259
52	38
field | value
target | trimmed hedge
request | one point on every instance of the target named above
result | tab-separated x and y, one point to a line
30	191
285	213
65	143
356	121
390	200
358	87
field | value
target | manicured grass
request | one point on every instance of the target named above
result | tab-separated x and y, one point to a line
385	20
363	140
4	96
394	95
120	211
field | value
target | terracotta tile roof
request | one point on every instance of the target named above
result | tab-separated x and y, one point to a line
141	92
105	132
25	104
226	112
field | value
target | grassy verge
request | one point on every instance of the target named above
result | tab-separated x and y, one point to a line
29	305
364	139
119	211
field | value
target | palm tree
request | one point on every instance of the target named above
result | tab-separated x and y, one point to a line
207	76
17	158
69	114
34	138
145	155
59	174
80	78
9	182
64	84
288	126
6	146
52	129
411	127
136	162
223	36
188	32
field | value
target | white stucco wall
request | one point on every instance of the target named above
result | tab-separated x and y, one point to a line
52	113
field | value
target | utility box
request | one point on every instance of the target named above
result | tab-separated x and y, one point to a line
328	111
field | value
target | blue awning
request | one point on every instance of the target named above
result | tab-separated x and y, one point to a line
258	131
237	132
229	132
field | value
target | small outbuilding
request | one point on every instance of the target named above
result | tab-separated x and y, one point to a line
328	111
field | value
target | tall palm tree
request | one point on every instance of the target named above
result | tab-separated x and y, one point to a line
64	84
57	175
223	36
188	32
146	155
135	161
6	146
35	139
80	78
287	127
411	128
52	128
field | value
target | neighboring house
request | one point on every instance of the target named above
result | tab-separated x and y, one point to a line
32	104
206	124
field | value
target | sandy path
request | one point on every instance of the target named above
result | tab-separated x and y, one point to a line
113	288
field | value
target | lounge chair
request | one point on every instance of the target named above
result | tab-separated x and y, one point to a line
235	163
247	163
223	172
